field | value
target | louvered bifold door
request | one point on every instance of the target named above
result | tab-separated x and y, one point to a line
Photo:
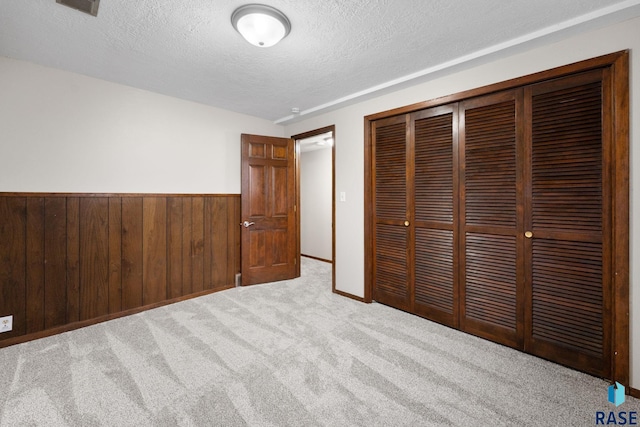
490	249
391	235
568	296
435	194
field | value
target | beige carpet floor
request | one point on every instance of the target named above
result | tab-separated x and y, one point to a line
288	353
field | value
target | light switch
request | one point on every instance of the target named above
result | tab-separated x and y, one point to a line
343	196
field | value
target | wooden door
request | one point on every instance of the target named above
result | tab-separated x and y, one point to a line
435	157
392	217
568	271
268	212
491	226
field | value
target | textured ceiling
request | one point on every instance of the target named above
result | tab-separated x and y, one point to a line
337	51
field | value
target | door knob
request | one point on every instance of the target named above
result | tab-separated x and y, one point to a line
528	234
247	224
406	223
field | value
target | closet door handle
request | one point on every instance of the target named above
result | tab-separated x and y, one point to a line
406	223
528	234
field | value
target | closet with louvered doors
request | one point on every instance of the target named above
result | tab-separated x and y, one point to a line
415	233
490	216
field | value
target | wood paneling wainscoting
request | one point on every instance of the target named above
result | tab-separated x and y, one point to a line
70	260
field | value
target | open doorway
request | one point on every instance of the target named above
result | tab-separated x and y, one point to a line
316	195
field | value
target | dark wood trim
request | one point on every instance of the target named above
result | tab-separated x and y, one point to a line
634	392
309	134
620	236
328	261
298	207
81	324
350	296
589	64
332	129
333	211
368	209
618	65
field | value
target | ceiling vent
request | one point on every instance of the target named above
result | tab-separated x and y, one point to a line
86	6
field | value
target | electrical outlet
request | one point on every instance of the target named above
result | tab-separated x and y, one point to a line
6	324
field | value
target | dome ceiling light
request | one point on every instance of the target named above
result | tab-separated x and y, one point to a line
86	6
260	25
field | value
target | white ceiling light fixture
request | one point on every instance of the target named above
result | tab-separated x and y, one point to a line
261	25
86	6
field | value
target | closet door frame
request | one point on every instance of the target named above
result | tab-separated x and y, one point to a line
618	65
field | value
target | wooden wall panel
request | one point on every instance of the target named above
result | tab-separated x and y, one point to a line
94	257
132	273
35	264
154	250
187	246
197	244
233	237
13	263
208	245
174	247
115	254
219	275
55	268
71	260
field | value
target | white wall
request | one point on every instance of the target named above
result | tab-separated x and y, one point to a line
349	159
63	132
315	203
